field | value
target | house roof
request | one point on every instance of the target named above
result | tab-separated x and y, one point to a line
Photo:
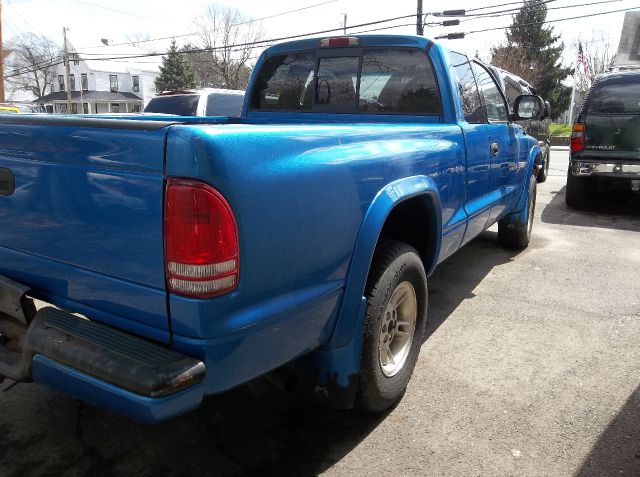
90	96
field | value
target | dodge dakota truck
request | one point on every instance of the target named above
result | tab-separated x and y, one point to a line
181	257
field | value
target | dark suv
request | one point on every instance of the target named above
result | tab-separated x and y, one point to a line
605	142
512	87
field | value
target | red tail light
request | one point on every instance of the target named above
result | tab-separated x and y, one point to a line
577	137
201	240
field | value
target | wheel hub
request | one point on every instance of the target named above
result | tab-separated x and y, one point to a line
397	329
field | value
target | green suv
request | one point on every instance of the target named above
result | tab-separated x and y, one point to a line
605	142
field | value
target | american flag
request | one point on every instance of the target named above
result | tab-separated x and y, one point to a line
583	59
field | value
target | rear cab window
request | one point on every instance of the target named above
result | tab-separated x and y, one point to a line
367	81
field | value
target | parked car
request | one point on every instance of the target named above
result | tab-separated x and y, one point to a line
605	142
297	239
9	110
513	86
201	102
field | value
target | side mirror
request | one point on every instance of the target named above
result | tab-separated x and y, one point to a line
527	106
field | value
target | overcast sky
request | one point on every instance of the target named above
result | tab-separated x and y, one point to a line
91	20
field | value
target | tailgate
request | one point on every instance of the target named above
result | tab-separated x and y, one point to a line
83	226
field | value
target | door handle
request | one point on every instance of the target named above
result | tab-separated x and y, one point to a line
495	148
7	181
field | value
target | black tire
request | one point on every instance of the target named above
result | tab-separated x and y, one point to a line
576	194
516	234
395	264
543	173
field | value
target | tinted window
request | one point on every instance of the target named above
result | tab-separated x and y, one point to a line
391	81
616	98
398	81
221	104
180	104
337	79
494	104
468	89
283	82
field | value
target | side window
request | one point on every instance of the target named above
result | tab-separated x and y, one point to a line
284	83
468	88
493	101
224	104
398	81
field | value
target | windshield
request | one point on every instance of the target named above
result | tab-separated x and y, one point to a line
616	98
180	104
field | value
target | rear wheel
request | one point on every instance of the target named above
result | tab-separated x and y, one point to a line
394	325
576	191
515	231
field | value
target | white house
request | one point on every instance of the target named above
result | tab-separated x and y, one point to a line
102	82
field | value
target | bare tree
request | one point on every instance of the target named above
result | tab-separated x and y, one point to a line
34	67
225	65
598	53
515	60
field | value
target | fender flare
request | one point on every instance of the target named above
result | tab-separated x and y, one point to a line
534	160
394	193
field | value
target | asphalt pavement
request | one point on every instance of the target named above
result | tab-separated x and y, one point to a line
531	367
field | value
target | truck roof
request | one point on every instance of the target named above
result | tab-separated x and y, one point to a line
411	41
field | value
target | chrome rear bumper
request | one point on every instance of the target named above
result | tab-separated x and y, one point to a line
609	169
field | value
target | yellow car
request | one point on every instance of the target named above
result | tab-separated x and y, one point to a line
8	110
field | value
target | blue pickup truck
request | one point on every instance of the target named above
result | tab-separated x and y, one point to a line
182	257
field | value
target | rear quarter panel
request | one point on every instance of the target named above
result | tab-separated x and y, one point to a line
299	194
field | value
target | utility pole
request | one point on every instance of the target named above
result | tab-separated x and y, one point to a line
66	62
1	59
344	24
419	24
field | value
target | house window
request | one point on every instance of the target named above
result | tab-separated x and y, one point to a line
61	82
85	108
63	108
136	83
135	108
74	108
113	83
85	82
115	108
72	82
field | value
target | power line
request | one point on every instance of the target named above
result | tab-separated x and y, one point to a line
254	43
546	21
286	13
497	14
15	9
112	9
184	35
495	6
272	40
515	9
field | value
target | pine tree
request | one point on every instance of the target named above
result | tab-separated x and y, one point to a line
533	52
175	72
